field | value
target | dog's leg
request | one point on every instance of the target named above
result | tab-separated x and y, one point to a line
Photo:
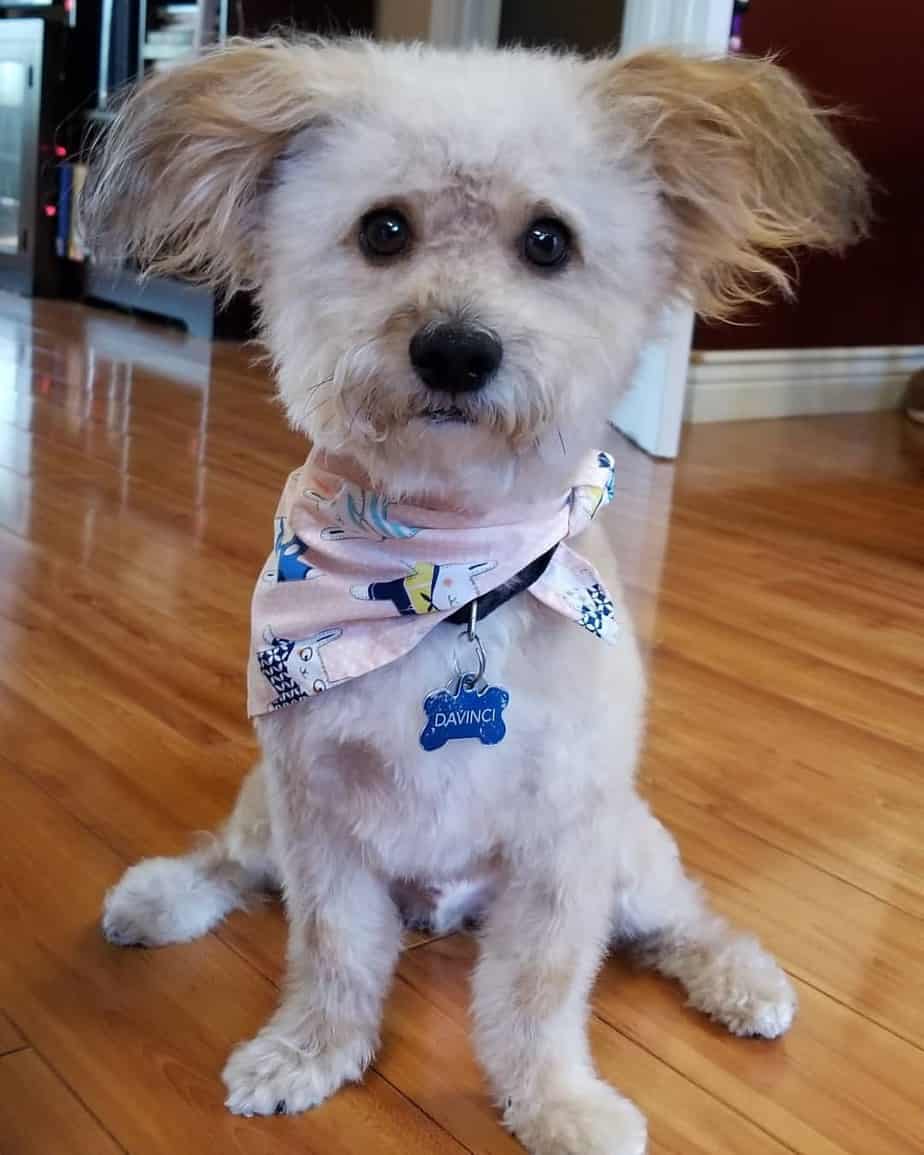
543	940
344	938
663	917
164	900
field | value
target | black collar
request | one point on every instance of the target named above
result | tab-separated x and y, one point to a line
494	599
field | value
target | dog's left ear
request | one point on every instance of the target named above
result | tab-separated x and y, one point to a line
176	180
747	167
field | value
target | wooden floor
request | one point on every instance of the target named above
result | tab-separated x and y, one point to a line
783	596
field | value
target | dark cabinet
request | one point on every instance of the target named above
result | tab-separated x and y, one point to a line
30	61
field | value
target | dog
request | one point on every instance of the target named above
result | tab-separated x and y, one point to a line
458	257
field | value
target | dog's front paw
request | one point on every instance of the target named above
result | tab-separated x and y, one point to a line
594	1120
274	1075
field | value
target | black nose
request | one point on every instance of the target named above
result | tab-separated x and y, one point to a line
457	358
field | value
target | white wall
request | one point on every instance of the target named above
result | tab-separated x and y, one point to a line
651	413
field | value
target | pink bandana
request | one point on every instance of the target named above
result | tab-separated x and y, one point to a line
355	582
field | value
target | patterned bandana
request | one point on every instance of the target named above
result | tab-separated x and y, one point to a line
354	582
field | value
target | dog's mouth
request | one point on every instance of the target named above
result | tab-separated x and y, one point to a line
446	415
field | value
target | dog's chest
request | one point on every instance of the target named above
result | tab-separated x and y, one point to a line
425	810
417	810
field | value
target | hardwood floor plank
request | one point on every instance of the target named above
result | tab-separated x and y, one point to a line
10	1037
844	564
133	528
843	798
140	798
131	638
39	1115
813	682
855	630
869	529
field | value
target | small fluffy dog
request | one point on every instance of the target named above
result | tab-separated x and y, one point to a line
458	257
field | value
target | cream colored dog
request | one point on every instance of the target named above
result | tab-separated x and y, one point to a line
369	194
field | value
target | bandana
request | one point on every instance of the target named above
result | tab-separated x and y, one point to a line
354	581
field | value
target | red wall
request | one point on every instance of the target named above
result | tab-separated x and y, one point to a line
867	55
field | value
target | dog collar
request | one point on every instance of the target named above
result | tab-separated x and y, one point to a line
354	581
494	599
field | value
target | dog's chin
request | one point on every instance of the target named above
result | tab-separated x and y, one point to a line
436	452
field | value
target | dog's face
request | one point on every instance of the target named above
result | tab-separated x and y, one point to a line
459	271
458	256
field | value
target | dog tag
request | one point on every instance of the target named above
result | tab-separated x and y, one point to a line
465	711
468	707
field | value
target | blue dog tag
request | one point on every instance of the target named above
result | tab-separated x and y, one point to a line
465	712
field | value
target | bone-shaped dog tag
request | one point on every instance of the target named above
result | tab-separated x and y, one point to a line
465	711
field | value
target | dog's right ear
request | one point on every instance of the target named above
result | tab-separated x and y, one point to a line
174	181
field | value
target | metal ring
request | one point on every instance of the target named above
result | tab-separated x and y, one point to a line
471	677
473	621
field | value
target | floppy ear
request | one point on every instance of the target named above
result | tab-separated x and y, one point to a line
747	166
174	179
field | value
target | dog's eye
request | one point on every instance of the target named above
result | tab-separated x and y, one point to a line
384	233
546	243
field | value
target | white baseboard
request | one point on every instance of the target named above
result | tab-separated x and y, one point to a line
732	385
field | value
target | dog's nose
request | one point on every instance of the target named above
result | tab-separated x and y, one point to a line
457	358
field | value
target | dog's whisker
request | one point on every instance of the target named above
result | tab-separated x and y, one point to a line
320	405
352	422
573	339
315	388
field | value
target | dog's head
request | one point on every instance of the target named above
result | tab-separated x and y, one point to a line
458	255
